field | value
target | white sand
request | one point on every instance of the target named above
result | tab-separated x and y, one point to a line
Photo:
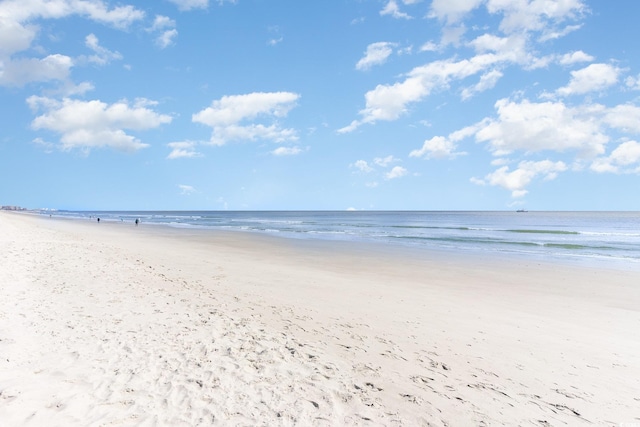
112	325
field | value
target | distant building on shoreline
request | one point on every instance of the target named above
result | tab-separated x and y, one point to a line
12	208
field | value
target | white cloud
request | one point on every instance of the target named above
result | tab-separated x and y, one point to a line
595	77
68	89
102	55
512	47
19	72
516	180
45	145
235	108
183	149
493	53
396	172
165	28
437	147
575	57
429	47
376	54
226	115
14	37
389	102
190	4
452	35
392	9
533	127
487	81
625	156
380	167
535	15
120	16
633	83
286	151
94	124
552	127
452	10
552	34
362	166
624	117
166	38
385	161
96	10
198	4
162	22
17	33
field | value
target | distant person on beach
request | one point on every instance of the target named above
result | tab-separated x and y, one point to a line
137	221
98	219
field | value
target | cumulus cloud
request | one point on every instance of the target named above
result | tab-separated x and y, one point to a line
17	32
165	30
575	57
389	102
396	172
429	47
593	78
95	10
381	167
532	127
623	117
452	11
362	166
102	56
517	180
392	9
385	161
632	82
18	72
286	151
190	4
487	81
518	21
437	147
183	149
186	5
14	36
376	54
624	159
547	16
526	127
229	115
166	38
95	124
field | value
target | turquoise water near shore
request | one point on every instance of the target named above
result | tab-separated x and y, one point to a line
578	235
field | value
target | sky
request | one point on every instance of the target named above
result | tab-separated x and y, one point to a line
320	105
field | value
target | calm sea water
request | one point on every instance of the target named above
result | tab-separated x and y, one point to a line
588	236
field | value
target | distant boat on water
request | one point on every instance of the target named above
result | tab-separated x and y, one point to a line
522	210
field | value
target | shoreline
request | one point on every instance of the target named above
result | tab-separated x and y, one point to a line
111	325
388	248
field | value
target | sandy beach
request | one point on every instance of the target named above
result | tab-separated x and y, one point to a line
116	325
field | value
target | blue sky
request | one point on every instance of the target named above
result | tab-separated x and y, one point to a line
340	104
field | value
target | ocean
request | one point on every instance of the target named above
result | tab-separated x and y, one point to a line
579	236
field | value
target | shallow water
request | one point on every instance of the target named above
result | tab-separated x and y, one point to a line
583	236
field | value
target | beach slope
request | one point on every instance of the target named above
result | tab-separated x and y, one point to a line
111	324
